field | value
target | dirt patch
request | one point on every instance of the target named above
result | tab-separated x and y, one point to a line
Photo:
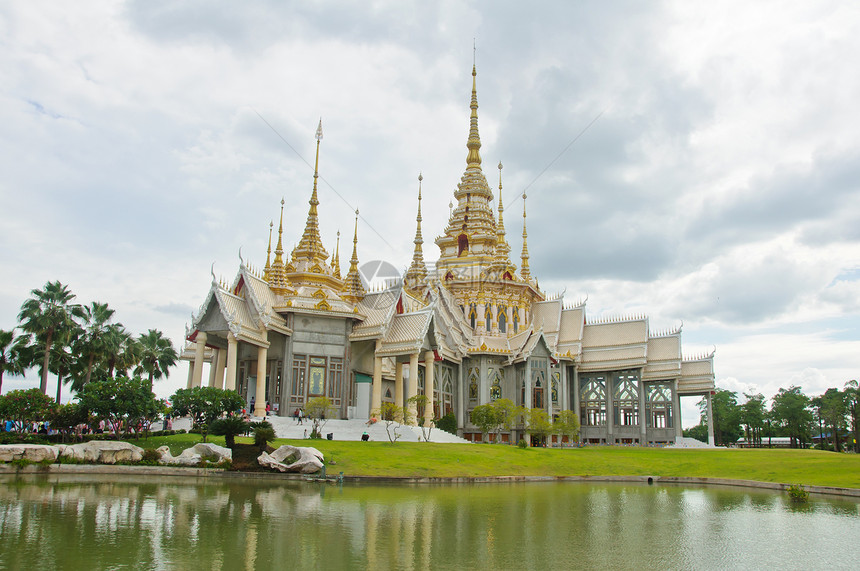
245	458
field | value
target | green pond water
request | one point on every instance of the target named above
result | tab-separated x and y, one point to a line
76	522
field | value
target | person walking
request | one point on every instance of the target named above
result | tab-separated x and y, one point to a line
301	415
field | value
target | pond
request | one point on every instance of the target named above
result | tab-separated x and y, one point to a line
127	522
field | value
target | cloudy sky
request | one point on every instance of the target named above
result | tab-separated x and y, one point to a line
696	162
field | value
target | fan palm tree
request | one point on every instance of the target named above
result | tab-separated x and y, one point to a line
45	314
15	355
91	344
120	349
63	360
156	355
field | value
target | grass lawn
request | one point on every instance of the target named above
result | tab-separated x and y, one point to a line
411	459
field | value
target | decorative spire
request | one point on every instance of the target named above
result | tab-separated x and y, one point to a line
524	271
353	288
417	271
276	274
474	142
502	248
310	247
335	261
268	253
279	249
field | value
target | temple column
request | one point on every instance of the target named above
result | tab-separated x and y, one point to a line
643	420
232	354
190	374
213	367
222	368
710	419
429	387
376	390
199	350
398	385
610	410
260	398
676	411
412	389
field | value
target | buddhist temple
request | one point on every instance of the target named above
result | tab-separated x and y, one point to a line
468	330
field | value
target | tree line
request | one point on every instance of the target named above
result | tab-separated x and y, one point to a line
79	343
830	418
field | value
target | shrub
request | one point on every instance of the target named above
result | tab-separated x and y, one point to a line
229	427
263	434
448	423
798	493
522	443
151	457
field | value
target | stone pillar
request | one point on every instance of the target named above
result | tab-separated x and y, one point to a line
676	411
710	419
610	412
398	384
197	377
527	378
643	420
190	374
222	368
429	387
574	386
376	391
412	389
213	367
260	397
232	354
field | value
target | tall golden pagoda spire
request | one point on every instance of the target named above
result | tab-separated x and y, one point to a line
353	288
277	273
524	271
268	254
335	261
417	272
474	142
503	250
310	247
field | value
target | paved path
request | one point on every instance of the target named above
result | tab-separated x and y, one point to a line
286	427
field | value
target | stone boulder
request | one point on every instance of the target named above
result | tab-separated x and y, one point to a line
306	460
197	453
32	452
102	452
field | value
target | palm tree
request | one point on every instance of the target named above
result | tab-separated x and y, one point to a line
120	349
91	344
45	314
15	356
63	360
156	355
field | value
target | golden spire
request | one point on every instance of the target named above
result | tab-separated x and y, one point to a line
524	271
353	288
335	261
310	247
474	142
268	253
279	249
417	271
276	274
502	248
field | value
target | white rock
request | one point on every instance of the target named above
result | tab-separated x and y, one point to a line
194	455
102	452
307	459
32	452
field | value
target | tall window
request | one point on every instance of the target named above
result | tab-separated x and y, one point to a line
473	315
592	401
473	384
488	317
297	388
625	401
496	387
658	404
556	377
516	320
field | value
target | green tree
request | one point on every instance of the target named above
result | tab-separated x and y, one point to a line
92	345
15	354
122	403
25	406
566	424
752	416
205	404
509	415
120	350
66	417
539	425
485	417
317	410
63	359
727	416
833	411
423	404
229	427
393	416
852	404
698	432
790	411
156	355
46	313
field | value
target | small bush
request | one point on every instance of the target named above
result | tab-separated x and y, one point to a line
798	493
263	434
522	444
151	457
448	423
21	463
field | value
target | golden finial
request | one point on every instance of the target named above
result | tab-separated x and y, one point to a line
417	271
502	248
335	261
310	246
353	288
268	253
474	142
524	271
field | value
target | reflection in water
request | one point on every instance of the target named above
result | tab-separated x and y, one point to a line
86	523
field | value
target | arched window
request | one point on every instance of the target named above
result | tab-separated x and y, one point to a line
503	319
473	315
462	244
496	389
488	317
516	320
